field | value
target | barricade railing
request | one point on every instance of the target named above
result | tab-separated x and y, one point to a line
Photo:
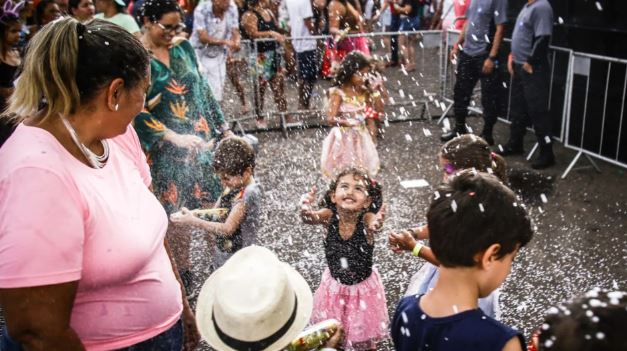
427	47
585	133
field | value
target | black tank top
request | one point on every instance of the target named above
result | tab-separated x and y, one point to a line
350	261
263	26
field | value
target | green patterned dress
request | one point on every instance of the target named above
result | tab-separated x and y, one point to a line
180	100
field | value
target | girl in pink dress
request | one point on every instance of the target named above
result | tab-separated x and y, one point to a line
350	289
349	143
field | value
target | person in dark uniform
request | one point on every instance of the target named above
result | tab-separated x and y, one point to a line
529	66
479	42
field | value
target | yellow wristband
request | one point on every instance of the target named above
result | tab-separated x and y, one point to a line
416	250
376	94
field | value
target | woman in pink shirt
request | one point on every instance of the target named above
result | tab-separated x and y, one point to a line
83	263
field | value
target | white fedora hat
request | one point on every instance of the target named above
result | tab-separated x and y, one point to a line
254	302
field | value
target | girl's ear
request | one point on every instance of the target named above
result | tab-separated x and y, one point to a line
332	196
489	256
368	203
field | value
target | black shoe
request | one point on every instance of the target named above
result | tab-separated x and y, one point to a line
543	161
508	150
452	134
488	138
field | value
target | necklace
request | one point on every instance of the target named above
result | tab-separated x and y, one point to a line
95	160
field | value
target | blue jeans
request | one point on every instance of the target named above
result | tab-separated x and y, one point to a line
169	340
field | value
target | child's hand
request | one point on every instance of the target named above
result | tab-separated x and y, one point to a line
402	241
184	216
308	200
375	224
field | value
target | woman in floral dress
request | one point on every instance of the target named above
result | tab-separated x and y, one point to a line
181	120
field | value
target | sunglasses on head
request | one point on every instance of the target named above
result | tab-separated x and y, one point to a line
176	28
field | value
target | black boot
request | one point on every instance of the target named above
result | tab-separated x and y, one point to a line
459	130
546	158
486	134
511	149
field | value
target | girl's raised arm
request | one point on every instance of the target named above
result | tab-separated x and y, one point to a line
308	214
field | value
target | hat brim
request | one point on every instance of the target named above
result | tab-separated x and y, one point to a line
206	298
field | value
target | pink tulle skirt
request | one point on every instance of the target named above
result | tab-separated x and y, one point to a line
361	308
349	147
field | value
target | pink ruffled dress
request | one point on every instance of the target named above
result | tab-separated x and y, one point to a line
351	290
349	146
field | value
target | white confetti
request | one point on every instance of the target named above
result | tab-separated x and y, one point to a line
600	335
453	205
408	138
404	316
543	198
427	132
481	207
599	7
560	20
344	262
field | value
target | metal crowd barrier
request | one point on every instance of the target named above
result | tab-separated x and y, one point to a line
586	96
596	109
427	47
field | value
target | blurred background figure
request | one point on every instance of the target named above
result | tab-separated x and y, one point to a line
114	11
10	60
215	34
82	10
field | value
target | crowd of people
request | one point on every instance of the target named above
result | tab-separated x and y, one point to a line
119	145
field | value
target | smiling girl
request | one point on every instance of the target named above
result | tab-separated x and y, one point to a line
351	290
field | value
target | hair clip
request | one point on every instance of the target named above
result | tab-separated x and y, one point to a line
449	169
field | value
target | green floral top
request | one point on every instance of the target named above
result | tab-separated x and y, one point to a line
180	100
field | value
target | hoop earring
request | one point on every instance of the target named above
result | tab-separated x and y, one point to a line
116	107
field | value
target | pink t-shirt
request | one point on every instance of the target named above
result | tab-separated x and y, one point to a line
62	221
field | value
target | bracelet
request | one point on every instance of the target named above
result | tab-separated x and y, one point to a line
416	250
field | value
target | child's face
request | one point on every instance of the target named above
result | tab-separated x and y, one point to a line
351	193
12	34
359	78
233	181
497	272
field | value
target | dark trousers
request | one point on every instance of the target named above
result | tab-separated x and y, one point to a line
529	104
395	25
469	71
169	340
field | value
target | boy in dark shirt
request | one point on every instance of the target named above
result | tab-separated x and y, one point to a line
476	229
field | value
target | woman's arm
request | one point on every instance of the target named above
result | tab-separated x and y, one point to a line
336	12
38	317
250	24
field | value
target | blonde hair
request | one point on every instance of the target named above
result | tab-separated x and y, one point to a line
67	63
